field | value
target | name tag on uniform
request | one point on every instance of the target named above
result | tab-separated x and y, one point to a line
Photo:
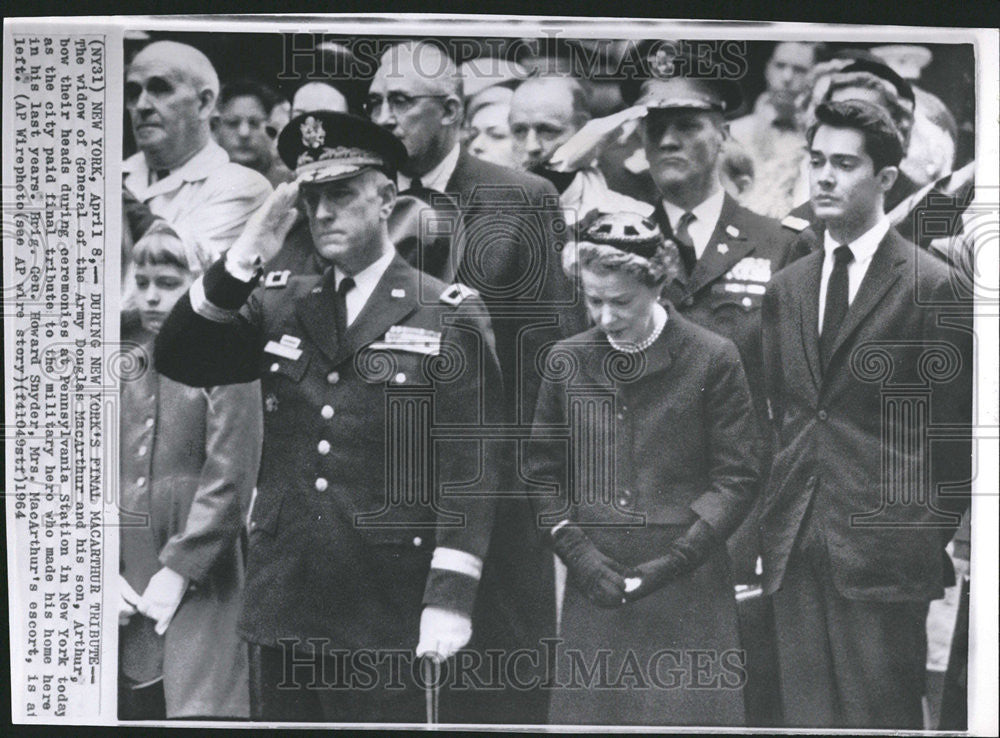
409	338
283	350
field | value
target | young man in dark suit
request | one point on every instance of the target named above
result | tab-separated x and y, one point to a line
363	541
506	250
860	363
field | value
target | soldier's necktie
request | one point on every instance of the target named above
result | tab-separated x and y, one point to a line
836	301
345	286
684	243
155	175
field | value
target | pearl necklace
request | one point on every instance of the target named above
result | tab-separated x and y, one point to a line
659	321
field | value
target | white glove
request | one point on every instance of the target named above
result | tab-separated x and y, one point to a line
442	632
587	144
266	229
162	597
127	599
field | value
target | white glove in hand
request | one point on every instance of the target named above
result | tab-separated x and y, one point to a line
266	229
590	141
127	599
162	597
442	632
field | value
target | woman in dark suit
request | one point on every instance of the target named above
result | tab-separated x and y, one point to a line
661	460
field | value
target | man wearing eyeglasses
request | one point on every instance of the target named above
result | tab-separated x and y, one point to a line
508	255
180	172
245	131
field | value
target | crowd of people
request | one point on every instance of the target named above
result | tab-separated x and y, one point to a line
477	392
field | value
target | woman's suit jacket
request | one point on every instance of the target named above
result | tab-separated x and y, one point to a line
655	438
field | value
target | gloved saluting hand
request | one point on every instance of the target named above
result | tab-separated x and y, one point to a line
599	577
683	556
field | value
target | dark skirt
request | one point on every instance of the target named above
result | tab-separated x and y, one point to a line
672	658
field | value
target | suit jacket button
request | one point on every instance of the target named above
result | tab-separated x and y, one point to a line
326	412
333	377
822	415
321	484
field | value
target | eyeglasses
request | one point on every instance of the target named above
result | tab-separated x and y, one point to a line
399	103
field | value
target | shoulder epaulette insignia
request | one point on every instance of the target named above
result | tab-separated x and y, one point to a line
795	223
456	293
277	279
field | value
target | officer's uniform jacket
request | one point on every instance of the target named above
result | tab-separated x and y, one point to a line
725	290
343	530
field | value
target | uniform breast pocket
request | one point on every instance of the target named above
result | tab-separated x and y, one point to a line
737	297
290	365
382	365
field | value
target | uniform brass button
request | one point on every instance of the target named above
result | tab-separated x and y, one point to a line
400	378
418	541
274	367
140	482
323	447
149	422
326	412
142	450
822	415
621	415
747	302
333	377
321	484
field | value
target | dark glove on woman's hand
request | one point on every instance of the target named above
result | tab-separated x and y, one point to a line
683	556
599	577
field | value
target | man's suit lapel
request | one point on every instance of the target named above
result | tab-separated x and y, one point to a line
808	301
317	312
883	272
458	189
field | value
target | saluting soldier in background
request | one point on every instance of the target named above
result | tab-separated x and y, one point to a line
352	544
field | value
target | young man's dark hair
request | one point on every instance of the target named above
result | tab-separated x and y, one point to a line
249	88
882	141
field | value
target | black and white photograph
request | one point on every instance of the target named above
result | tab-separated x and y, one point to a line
501	374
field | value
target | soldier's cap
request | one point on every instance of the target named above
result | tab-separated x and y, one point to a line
690	93
323	146
629	232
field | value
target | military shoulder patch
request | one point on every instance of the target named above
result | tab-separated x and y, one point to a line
455	294
277	279
795	223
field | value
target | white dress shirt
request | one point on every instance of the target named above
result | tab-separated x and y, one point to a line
207	200
863	248
437	178
706	216
365	282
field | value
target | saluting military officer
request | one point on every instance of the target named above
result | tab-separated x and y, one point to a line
357	559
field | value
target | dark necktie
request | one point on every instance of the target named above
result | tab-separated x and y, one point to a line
345	286
158	174
684	243
836	301
416	187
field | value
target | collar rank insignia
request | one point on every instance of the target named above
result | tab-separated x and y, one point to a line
456	294
277	279
733	231
271	402
722	248
313	135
